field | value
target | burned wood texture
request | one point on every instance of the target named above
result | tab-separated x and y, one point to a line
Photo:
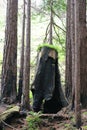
47	84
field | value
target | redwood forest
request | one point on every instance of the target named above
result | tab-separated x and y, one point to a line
43	65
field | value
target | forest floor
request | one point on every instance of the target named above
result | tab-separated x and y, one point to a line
63	120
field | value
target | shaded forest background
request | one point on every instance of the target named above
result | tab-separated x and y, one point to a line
40	19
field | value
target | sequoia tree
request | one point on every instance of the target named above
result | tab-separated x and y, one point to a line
68	77
9	68
26	75
20	87
80	32
78	44
83	51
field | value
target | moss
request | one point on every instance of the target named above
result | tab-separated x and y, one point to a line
54	47
85	113
4	115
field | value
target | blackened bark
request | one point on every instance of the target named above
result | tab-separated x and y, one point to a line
9	68
47	84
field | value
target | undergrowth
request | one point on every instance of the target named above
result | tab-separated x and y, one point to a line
33	121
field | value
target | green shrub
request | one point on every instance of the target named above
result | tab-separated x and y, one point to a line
33	121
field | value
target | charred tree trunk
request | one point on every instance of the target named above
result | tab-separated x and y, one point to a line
26	76
9	68
47	84
22	59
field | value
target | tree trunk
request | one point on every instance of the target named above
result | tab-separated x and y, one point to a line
9	68
51	22
26	76
22	59
47	83
83	54
73	49
68	75
70	53
78	46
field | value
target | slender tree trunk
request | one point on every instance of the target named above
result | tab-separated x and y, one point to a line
73	49
68	75
9	68
22	59
77	62
26	79
51	23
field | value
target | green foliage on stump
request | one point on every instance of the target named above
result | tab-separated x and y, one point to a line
54	47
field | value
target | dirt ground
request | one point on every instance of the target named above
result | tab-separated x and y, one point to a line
63	120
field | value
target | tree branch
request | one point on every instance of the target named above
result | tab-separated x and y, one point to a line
9	125
59	18
47	32
59	27
59	38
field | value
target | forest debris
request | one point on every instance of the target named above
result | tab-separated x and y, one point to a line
55	116
9	126
4	115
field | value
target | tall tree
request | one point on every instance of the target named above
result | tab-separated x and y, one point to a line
22	58
9	68
68	75
72	23
26	76
83	51
78	43
70	53
51	22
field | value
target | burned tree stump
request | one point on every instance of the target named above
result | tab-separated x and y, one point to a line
46	87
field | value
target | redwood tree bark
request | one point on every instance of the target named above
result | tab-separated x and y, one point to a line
73	48
83	53
78	44
70	51
20	87
68	73
26	76
9	68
